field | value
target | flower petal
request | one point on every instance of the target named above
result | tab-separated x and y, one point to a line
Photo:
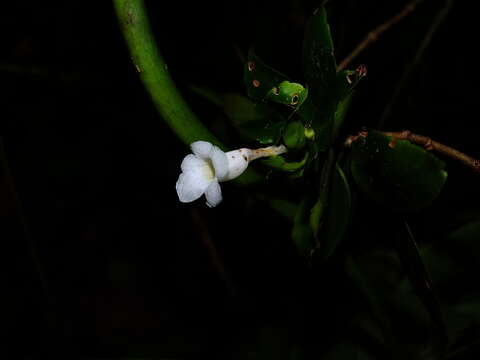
192	163
190	186
220	163
202	149
213	194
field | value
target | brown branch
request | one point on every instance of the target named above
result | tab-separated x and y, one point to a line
373	35
428	144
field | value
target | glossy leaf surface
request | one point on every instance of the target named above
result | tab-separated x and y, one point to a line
397	174
294	135
338	215
279	162
319	61
301	231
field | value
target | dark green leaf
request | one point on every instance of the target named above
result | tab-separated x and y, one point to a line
467	236
347	350
338	214
469	309
208	94
260	78
321	205
285	208
265	83
452	261
301	231
363	274
340	114
262	131
347	80
316	214
294	135
419	278
319	62
329	91
239	109
397	174
319	122
279	162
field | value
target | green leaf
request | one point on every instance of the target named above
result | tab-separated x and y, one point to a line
265	83
338	214
319	122
279	162
363	273
237	107
285	208
467	237
262	131
347	350
319	209
208	94
301	231
329	91
340	114
316	214
319	66
260	78
347	80
294	135
419	278
452	262
319	62
397	174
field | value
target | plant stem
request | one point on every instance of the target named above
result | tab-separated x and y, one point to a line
153	72
428	144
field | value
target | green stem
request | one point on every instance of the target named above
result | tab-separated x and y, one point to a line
153	72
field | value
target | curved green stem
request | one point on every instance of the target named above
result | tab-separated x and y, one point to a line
153	72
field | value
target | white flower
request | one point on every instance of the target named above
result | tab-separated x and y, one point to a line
208	165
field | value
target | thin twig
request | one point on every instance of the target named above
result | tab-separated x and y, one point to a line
11	188
428	144
24	233
373	35
439	18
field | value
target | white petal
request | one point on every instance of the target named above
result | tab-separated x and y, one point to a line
220	163
192	163
202	149
213	194
190	186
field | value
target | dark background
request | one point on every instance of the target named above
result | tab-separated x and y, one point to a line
101	259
